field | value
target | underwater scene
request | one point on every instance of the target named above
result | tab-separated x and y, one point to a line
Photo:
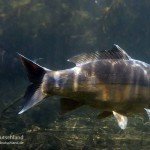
75	74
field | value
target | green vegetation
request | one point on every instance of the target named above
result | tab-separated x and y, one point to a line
55	30
48	28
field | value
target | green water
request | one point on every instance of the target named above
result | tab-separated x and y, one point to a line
49	32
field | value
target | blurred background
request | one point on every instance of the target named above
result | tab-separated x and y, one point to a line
51	31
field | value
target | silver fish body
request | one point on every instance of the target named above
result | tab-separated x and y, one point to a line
103	83
110	81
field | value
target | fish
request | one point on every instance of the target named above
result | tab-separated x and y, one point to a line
109	80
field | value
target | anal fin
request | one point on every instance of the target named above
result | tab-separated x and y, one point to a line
121	119
148	112
67	105
104	114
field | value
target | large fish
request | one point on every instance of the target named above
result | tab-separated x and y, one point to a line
109	80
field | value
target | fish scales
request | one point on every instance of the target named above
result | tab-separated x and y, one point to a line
110	81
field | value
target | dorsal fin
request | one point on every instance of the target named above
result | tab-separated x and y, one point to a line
115	53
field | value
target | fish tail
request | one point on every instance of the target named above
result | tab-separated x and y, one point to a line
35	73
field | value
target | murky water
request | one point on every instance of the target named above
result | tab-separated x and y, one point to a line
49	32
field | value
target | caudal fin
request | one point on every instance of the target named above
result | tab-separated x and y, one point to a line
35	73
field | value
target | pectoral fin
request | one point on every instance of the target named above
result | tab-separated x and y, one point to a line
148	112
104	114
67	105
122	120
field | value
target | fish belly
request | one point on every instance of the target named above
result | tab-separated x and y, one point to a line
122	98
114	97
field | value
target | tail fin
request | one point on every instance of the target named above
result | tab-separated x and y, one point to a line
33	94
